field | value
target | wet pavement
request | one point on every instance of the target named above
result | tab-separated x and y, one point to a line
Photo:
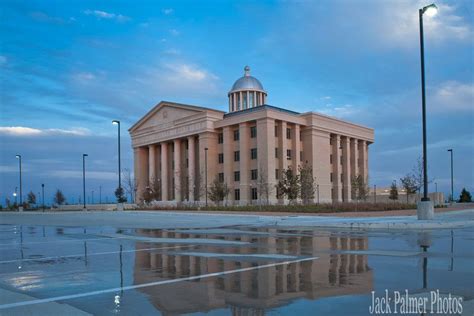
222	270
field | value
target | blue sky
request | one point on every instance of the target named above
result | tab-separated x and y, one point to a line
68	68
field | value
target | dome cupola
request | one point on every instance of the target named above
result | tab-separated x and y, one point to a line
247	92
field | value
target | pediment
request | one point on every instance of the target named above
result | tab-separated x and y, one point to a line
164	114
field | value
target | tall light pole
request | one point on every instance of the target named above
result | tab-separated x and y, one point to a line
205	164
42	192
117	122
21	186
425	208
84	179
452	178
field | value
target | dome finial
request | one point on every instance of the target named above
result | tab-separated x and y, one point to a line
247	71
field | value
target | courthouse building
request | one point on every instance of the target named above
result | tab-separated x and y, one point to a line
178	146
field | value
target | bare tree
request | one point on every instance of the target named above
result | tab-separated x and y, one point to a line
31	198
218	191
393	191
264	189
306	183
129	183
59	197
410	184
199	190
360	188
288	185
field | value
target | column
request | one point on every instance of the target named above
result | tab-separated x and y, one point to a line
229	160
282	146
244	147
177	170
363	159
266	158
191	167
151	166
346	170
296	148
354	158
336	168
248	99
141	171
164	171
241	101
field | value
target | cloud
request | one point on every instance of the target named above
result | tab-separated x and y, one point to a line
174	32
454	96
28	131
43	17
167	11
3	60
74	174
106	15
84	77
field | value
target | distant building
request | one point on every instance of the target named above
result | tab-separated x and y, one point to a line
253	142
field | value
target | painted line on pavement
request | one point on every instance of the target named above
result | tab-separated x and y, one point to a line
132	287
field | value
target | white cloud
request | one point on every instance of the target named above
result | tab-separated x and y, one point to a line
5	169
167	11
84	77
454	96
106	15
28	131
3	60
74	174
174	32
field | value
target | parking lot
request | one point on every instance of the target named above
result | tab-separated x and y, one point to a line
203	265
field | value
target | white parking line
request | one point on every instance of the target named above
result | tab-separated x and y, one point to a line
132	287
92	254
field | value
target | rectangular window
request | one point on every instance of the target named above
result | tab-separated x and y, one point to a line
330	159
253	174
221	158
237	155
276	152
276	131
288	154
236	135
236	175
288	133
253	153
253	192
221	177
330	176
341	160
253	131
301	155
342	177
186	145
187	163
237	194
277	174
220	138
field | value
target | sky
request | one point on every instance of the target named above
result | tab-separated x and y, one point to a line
68	68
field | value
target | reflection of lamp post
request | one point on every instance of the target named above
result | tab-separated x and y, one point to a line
205	163
452	185
424	241
425	210
20	208
84	179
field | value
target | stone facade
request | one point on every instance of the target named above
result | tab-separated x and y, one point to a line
178	146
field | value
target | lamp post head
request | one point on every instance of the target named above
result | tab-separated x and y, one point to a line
450	150
116	122
430	10
18	156
14	194
85	155
42	185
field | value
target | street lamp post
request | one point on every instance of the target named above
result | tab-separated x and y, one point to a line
119	204
84	179
425	207
205	164
452	178
42	194
20	207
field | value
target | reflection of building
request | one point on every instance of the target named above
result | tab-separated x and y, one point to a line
252	141
253	291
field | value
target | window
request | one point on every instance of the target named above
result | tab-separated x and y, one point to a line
288	154
253	131
288	133
341	160
186	145
237	155
244	98
330	140
276	152
253	174
236	135
251	99
220	138
253	153
221	158
221	177
277	174
276	131
301	135
342	177
253	192
187	163
237	194
301	155
330	159
236	175
330	176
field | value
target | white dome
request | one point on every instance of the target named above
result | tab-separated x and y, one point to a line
247	82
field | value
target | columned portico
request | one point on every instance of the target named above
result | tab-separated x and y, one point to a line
346	170
177	170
